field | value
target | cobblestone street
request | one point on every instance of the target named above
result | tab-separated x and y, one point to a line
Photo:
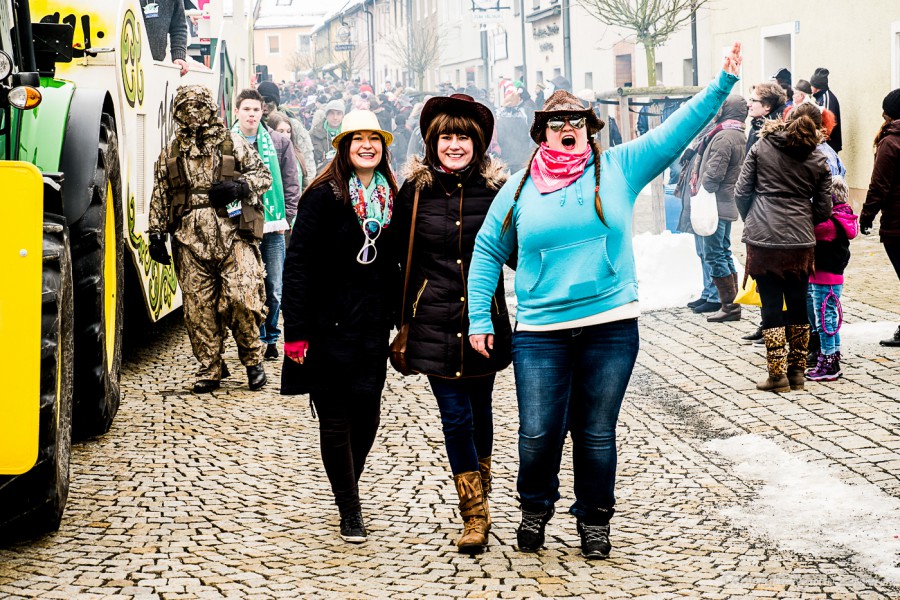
224	495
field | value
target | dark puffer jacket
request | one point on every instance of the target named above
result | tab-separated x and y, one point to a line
884	187
723	157
774	189
451	210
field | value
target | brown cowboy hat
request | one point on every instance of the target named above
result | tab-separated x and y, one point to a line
562	103
457	104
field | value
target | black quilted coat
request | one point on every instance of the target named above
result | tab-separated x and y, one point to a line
451	210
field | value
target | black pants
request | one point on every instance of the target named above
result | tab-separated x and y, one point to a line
348	422
893	251
775	292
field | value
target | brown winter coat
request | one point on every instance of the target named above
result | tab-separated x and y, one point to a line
452	208
774	189
723	157
884	187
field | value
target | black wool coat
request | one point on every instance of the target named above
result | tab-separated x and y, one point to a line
451	211
344	309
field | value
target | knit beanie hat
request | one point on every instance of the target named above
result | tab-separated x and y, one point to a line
267	89
840	193
820	78
891	104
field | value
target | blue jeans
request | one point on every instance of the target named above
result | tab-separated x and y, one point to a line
467	419
272	249
709	291
830	343
571	380
717	251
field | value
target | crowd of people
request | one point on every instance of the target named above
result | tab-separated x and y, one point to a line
353	213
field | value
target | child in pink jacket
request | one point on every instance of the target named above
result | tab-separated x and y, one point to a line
826	282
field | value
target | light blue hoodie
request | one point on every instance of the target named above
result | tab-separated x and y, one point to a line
570	265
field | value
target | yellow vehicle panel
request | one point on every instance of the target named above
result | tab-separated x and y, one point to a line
21	262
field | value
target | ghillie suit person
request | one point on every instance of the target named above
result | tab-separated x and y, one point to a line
207	193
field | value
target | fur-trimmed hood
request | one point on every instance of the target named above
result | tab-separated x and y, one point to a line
494	173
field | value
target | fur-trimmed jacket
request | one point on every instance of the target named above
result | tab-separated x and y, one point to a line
451	209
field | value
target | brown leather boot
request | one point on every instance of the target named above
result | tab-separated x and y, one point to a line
727	292
484	468
472	508
798	347
776	360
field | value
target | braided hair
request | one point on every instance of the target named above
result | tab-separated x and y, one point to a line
598	205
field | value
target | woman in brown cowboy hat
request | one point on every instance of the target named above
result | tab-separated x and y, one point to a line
576	336
453	187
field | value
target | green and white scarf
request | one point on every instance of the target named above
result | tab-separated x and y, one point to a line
273	199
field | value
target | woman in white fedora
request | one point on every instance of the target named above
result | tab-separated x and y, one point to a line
340	279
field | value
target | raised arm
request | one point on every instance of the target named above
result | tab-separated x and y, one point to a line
648	156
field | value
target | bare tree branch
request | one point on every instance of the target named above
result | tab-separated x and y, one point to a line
418	52
651	21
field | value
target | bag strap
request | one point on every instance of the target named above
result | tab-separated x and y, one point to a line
412	234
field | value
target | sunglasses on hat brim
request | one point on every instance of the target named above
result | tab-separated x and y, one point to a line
558	123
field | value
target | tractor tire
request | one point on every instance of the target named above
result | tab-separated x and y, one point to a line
32	503
98	268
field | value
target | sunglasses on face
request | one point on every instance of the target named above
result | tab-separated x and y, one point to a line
558	124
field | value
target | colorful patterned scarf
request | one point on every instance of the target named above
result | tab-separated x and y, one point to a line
380	206
273	199
553	170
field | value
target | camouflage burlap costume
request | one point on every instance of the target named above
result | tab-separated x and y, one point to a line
220	271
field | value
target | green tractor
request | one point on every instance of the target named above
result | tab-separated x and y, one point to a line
75	78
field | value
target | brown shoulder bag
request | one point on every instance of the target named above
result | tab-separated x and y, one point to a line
398	346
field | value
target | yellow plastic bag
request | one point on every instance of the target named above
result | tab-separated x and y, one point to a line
748	295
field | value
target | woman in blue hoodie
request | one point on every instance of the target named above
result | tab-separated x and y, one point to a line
568	218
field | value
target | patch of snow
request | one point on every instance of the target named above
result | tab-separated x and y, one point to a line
668	270
807	509
857	337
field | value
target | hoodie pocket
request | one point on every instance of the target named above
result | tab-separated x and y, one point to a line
574	272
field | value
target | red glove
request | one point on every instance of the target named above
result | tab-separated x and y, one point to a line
296	351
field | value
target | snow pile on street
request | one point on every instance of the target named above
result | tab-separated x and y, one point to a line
855	335
668	270
807	509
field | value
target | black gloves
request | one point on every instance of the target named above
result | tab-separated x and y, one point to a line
158	250
222	193
865	226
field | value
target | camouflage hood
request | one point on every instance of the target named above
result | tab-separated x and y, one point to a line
197	128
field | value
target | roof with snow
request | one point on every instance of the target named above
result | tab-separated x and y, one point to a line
286	14
347	7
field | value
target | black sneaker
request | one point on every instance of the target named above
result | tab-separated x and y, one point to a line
892	341
707	307
271	351
352	528
594	540
695	303
530	534
752	337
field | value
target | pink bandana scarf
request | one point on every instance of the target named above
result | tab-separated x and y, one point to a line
553	170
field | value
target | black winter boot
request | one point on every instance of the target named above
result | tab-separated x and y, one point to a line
530	534
594	533
256	376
